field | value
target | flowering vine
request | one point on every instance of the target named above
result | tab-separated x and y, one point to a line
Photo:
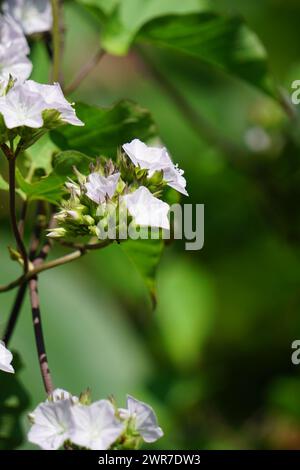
75	206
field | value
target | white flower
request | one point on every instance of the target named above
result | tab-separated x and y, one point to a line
35	16
54	98
24	104
147	210
52	424
21	107
13	51
156	159
95	426
143	418
5	359
98	187
12	37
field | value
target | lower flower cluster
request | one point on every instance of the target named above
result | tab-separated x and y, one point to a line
70	422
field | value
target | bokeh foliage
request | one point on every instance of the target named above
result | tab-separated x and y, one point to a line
214	358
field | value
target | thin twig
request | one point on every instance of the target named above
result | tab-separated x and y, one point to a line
39	336
52	264
85	71
14	314
34	244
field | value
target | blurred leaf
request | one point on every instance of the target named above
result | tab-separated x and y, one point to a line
51	187
14	400
3	184
41	153
105	6
226	43
105	128
125	21
191	27
185	310
284	396
145	255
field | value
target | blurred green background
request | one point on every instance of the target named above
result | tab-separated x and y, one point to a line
214	359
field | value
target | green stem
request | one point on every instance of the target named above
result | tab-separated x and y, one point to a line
56	41
12	208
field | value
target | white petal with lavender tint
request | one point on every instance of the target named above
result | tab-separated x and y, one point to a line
147	210
95	426
98	187
143	418
35	16
52	424
20	107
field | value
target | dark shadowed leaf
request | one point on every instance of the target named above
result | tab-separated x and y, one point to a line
105	128
226	43
14	400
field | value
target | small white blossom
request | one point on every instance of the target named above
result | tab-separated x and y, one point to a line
35	16
147	210
5	359
156	159
98	187
13	51
52	424
54	99
21	107
24	104
95	426
143	418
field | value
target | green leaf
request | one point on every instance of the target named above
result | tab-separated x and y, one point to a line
145	255
105	128
226	43
191	27
51	187
14	400
105	6
186	310
124	18
3	184
40	154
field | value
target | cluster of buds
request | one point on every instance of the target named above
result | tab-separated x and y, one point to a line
72	422
115	194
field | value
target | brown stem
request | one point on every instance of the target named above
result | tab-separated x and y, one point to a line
85	71
39	336
34	244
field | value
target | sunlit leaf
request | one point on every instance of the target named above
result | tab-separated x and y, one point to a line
145	255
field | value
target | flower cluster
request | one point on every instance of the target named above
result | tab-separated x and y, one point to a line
34	16
115	193
67	421
13	50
